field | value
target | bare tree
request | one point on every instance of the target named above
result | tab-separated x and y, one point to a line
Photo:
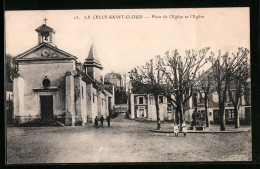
205	86
221	66
238	84
148	78
180	73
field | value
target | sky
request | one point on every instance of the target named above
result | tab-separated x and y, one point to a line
128	38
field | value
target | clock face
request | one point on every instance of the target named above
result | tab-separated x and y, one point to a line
45	53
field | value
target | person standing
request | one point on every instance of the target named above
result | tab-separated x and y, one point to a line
176	129
184	128
96	122
101	121
108	121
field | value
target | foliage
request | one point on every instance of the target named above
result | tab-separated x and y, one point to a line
9	68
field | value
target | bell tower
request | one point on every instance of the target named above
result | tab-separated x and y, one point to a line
45	34
92	64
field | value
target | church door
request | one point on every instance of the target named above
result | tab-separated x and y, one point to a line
46	107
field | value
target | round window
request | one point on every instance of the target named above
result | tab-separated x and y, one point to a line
46	82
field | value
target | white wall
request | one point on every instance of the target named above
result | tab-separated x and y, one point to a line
34	73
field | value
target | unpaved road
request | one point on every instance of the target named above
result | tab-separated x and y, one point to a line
124	141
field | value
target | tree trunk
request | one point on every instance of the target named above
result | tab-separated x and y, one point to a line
176	115
157	112
237	122
222	116
206	111
181	117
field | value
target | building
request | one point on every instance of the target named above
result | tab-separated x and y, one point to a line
48	84
120	86
213	109
143	106
118	80
114	78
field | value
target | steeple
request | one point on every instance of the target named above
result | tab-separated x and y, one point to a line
45	33
92	64
92	59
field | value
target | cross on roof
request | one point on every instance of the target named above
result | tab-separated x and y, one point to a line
45	20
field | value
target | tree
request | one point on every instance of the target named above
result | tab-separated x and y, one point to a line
180	73
205	85
147	79
221	66
9	68
238	84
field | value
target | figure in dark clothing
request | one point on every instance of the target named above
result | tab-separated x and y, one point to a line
108	121
101	120
96	122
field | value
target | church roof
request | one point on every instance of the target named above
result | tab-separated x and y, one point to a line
85	77
22	55
102	86
95	83
92	55
44	28
92	59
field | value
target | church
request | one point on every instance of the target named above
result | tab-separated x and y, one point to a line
49	84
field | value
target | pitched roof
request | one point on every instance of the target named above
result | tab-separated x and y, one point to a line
44	28
102	86
20	56
86	78
92	59
96	83
92	55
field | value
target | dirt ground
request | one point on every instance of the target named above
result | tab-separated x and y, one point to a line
124	141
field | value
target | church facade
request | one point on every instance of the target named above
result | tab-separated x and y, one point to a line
49	85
